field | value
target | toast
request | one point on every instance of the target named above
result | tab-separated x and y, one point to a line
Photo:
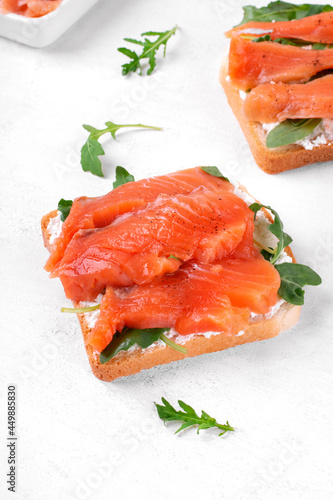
131	362
275	160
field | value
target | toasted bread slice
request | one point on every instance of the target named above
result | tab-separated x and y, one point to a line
128	363
275	160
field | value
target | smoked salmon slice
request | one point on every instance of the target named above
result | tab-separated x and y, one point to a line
270	103
251	63
318	29
198	298
29	8
204	225
91	213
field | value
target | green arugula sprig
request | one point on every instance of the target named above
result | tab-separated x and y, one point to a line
293	276
290	131
289	41
215	172
275	228
149	50
189	417
283	41
64	207
281	11
122	177
133	336
92	149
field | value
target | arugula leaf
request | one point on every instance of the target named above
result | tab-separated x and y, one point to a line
263	38
275	228
149	50
290	131
64	207
214	171
189	417
293	278
128	338
122	177
173	257
90	153
284	41
281	11
92	149
133	336
291	41
321	46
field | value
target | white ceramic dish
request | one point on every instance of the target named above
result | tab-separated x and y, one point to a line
44	30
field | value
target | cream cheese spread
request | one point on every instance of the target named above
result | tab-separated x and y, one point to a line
54	228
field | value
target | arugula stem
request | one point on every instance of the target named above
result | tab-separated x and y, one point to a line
138	125
172	344
80	309
267	249
225	428
106	130
201	420
160	41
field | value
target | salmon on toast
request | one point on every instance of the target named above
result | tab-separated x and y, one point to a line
182	274
277	78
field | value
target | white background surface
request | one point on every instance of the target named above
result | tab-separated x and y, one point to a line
81	438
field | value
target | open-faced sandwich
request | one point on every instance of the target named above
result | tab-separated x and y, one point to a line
278	79
173	266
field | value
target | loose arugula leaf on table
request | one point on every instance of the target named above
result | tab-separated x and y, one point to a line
122	177
92	149
133	336
290	131
293	278
215	172
281	11
149	50
64	207
275	228
90	152
189	417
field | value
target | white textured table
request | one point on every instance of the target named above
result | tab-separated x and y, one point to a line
80	438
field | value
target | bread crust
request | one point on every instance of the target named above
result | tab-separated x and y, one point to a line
130	363
271	161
